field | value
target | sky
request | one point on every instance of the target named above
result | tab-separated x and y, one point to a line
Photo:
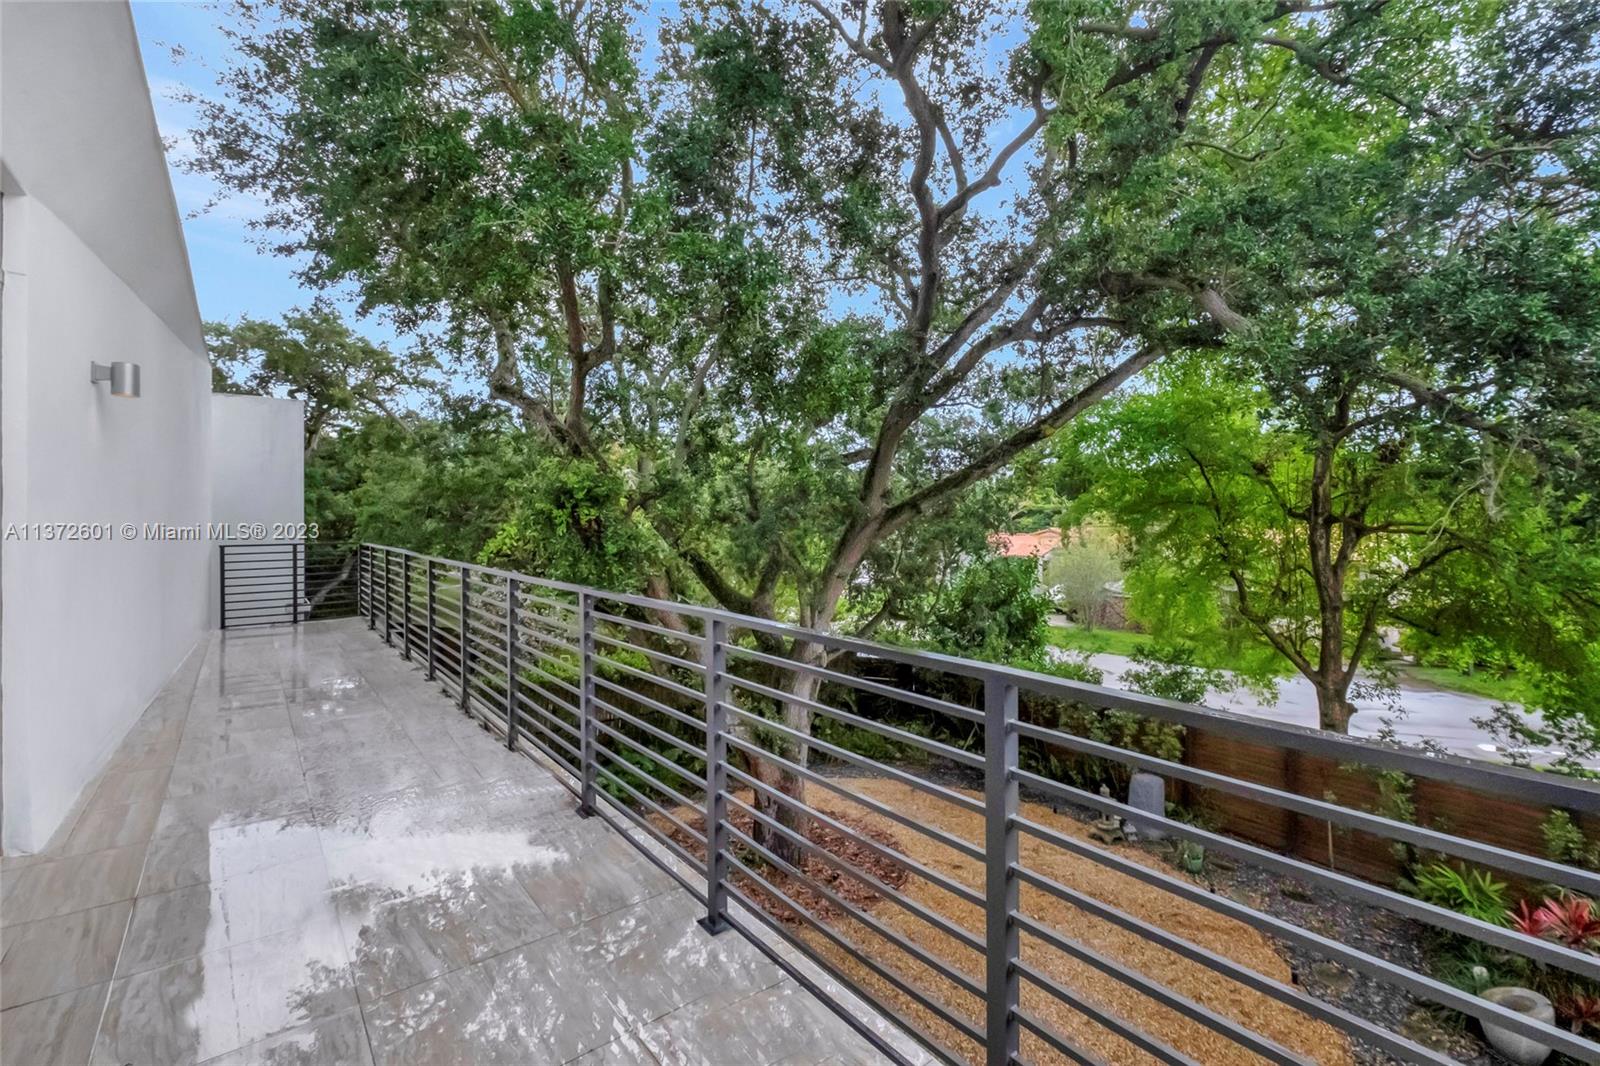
182	48
232	277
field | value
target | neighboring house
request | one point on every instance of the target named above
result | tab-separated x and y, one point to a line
1037	545
97	608
1043	545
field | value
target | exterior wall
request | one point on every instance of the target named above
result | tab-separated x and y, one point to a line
92	628
257	466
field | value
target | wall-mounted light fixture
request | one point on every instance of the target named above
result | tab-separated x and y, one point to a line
124	377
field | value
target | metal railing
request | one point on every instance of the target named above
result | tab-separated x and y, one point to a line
708	733
284	583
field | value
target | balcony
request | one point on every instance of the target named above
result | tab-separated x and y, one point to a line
473	824
302	853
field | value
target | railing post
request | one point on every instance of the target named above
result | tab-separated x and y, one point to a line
294	583
372	589
405	608
715	660
586	743
388	605
222	586
431	621
466	697
511	663
1000	856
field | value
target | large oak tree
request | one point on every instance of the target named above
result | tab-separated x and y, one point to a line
799	276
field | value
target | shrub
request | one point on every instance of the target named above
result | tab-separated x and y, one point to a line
1467	891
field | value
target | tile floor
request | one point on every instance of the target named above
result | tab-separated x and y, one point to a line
304	853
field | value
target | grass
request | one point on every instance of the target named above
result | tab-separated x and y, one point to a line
1489	686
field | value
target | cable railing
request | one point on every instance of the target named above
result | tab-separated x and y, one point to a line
903	818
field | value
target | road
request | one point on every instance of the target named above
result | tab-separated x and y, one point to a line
1428	714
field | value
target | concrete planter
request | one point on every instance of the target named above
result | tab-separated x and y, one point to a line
1519	1049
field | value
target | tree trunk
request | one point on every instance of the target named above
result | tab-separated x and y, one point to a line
796	716
1333	707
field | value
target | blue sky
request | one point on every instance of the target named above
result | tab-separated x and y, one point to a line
231	276
182	47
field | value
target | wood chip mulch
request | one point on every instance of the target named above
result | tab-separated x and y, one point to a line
1302	1036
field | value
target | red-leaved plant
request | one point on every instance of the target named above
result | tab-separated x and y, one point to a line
1569	920
1580	1009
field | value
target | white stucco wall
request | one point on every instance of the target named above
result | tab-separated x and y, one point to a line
257	465
91	628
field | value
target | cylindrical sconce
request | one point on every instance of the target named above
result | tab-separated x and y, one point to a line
124	377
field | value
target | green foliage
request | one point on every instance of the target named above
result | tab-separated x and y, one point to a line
993	612
1565	842
569	520
1077	573
1469	891
1170	672
314	357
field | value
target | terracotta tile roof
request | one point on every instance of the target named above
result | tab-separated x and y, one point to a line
1023	545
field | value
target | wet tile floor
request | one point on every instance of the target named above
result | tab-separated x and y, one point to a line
304	853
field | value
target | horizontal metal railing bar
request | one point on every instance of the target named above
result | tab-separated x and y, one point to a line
525	684
1061	1044
486	572
944	751
1402	1048
1463	848
560	605
671	686
526	726
554	628
678	852
909	905
655	808
654	705
543	676
659	656
800	977
1104	1018
933	877
940	836
546	639
913	993
660	734
654	756
1409	906
900	943
1529	785
937	791
661	864
533	747
544	656
649	627
488	633
1418	984
1239	1034
877	688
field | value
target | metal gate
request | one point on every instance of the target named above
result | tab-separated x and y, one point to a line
284	583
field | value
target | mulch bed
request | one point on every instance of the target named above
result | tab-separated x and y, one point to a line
1315	1041
846	848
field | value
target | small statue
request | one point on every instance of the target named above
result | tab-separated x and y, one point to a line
1108	829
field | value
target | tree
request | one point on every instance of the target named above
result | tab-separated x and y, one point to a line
1078	572
827	268
1315	541
314	357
